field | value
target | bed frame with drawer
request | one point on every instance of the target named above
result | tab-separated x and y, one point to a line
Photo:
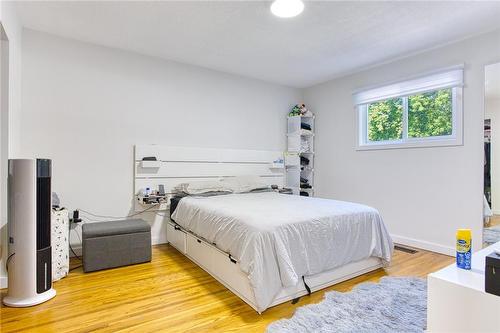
177	165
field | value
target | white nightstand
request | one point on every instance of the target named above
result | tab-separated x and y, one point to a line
457	301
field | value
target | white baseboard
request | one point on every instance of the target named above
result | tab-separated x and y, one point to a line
77	248
3	282
159	240
429	246
495	211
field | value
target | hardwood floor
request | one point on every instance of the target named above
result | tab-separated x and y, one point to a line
494	220
171	294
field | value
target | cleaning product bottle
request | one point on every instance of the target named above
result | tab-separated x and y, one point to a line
464	248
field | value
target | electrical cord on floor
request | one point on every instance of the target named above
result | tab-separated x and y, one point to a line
91	217
74	253
7	261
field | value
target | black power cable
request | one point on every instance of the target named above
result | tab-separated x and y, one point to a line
77	257
92	215
7	261
118	217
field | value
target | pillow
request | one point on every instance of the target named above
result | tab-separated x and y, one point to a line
244	184
202	187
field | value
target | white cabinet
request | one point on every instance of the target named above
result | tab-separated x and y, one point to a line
216	262
176	237
457	301
200	252
219	265
299	158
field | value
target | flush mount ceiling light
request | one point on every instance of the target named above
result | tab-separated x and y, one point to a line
287	8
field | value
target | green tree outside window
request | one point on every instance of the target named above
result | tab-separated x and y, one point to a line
385	120
429	114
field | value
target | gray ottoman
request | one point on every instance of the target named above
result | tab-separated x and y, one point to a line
115	243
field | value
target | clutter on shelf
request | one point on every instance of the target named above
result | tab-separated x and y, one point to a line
300	151
300	110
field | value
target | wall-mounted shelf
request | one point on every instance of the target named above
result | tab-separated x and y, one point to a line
152	199
148	201
277	166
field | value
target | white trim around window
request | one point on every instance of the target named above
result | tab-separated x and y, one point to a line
451	79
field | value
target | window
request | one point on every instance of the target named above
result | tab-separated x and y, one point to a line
421	112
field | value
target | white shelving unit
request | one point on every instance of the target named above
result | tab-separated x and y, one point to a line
299	158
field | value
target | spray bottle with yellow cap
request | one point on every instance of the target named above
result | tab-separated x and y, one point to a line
464	248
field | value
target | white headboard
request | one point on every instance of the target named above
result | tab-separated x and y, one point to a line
184	164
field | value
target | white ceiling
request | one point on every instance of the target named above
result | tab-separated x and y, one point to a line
329	39
492	81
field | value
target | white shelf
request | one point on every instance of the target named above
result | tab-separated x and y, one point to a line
299	134
307	117
299	140
277	166
300	152
150	164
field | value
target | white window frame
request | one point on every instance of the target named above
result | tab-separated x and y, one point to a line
455	139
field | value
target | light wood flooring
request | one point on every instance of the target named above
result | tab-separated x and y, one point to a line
494	220
171	294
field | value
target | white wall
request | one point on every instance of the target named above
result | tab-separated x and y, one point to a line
86	106
13	30
492	111
10	108
424	194
9	120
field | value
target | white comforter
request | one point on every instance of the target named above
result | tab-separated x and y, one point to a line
279	238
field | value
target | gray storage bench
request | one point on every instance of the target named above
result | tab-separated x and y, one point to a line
115	243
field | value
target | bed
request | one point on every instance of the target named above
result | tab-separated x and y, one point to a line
269	248
279	239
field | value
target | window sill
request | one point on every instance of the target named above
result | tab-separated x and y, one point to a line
411	144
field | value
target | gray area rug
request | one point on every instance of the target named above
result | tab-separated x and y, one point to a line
396	304
491	235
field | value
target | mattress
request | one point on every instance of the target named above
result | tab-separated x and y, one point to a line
279	238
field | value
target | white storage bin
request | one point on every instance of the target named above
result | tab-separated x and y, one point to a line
200	252
219	265
230	274
294	143
294	124
293	177
292	159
